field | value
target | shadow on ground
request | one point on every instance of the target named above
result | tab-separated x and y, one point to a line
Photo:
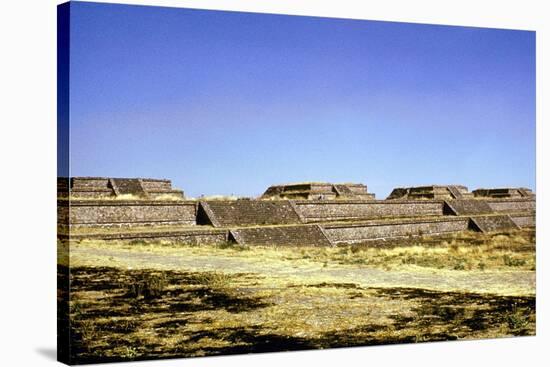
111	307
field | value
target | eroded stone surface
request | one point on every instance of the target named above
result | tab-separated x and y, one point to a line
283	222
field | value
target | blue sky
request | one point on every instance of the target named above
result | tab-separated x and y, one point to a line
230	103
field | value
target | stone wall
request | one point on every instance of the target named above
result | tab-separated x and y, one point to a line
91	187
256	212
112	213
319	234
159	188
438	192
512	205
324	211
156	185
104	187
90	183
524	220
277	221
505	192
192	237
362	232
318	191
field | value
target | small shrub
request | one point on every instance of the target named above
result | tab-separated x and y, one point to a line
453	246
150	287
214	280
460	265
137	243
129	352
87	331
516	319
126	325
242	247
430	262
233	246
510	261
343	250
359	261
76	309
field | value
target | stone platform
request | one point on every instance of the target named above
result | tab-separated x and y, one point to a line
279	221
105	187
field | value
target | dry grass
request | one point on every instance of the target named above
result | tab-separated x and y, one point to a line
195	314
469	251
150	300
460	252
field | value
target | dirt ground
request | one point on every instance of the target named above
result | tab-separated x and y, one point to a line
155	300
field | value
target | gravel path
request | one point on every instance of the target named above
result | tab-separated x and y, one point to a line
296	272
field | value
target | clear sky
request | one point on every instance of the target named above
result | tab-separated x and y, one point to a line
231	103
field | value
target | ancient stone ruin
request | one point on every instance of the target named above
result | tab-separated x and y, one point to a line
315	214
318	191
507	192
431	192
103	187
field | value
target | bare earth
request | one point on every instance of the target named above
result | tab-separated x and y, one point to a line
138	300
184	259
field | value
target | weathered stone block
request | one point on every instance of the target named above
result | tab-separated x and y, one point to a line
439	192
512	205
524	220
129	213
324	211
318	191
184	236
362	232
493	223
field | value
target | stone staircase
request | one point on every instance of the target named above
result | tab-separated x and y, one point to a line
343	190
248	213
468	207
304	235
524	192
455	192
493	223
128	186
